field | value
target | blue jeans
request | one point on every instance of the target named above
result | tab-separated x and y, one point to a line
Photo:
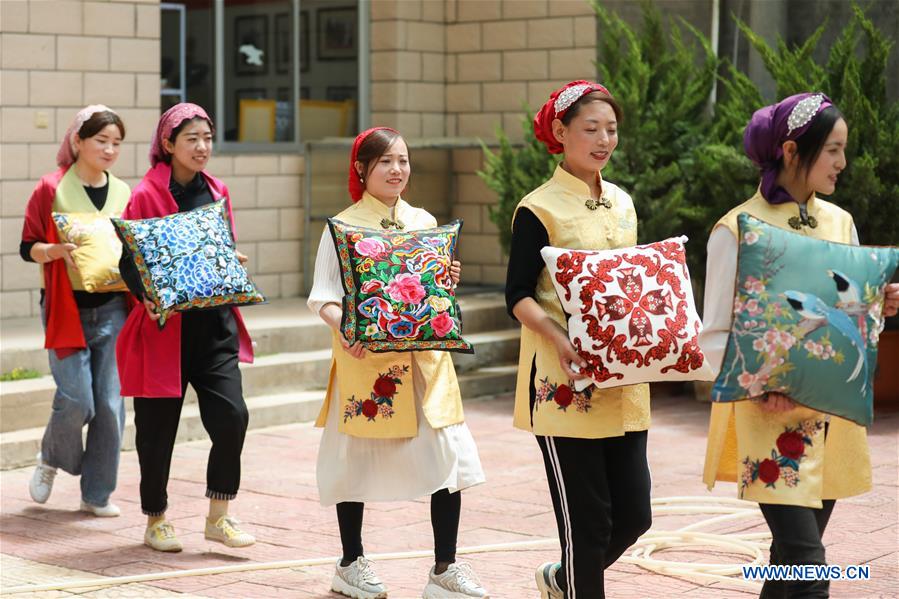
88	392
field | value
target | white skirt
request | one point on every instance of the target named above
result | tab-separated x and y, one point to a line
358	469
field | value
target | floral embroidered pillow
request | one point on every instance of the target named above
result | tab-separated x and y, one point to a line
99	248
631	314
187	260
807	320
399	294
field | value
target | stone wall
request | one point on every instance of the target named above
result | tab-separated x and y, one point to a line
58	56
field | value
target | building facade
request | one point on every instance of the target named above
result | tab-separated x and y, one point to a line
443	72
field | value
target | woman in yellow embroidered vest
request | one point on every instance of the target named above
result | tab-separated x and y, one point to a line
799	145
80	326
425	448
594	442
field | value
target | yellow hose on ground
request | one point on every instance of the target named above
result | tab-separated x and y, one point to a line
642	553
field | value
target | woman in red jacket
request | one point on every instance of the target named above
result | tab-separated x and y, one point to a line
200	347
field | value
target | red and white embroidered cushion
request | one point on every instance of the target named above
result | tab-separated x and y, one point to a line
632	317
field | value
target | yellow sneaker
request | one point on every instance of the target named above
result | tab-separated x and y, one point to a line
227	530
161	537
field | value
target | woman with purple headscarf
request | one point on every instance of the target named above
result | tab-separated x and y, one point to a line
799	147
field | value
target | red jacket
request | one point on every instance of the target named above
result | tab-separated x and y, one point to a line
149	359
63	333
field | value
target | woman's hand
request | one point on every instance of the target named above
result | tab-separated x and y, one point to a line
891	300
569	359
241	257
151	310
332	314
356	350
530	314
776	403
55	251
455	271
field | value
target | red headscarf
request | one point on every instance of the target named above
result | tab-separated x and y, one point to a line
169	120
355	183
555	108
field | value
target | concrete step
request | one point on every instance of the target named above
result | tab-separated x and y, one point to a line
18	448
281	326
25	404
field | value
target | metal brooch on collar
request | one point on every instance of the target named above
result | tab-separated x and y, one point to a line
803	220
592	204
386	223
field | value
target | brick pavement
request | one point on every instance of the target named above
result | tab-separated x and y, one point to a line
278	502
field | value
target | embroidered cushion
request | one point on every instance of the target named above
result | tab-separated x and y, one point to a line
807	319
399	294
99	248
632	317
187	260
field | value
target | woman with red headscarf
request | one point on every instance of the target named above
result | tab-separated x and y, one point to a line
199	347
80	325
595	458
441	459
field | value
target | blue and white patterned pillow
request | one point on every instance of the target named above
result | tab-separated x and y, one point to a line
187	260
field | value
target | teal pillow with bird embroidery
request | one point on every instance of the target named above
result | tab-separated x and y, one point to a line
807	319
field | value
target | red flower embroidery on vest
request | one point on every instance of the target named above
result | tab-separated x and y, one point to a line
790	444
784	461
564	396
385	386
381	401
769	471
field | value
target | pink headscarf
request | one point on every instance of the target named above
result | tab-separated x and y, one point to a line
67	154
169	121
357	187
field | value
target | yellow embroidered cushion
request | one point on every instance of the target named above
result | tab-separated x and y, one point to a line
99	249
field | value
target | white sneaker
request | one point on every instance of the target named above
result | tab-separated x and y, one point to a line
457	582
110	510
41	481
358	580
546	581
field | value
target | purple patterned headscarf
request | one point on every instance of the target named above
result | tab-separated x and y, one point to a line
770	127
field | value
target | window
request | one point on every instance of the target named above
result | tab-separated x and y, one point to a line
239	58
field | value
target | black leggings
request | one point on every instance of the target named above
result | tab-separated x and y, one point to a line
445	510
797	533
600	493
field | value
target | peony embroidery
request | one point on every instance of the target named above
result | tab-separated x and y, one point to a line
406	287
564	396
371	247
442	324
783	465
380	403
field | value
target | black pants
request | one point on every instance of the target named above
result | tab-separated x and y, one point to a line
445	510
600	492
797	533
209	347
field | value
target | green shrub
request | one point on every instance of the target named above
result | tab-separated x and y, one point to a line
682	161
18	374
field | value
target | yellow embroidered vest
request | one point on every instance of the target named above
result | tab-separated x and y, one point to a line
559	204
837	467
390	372
71	197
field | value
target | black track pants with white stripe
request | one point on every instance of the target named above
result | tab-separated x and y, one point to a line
600	492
